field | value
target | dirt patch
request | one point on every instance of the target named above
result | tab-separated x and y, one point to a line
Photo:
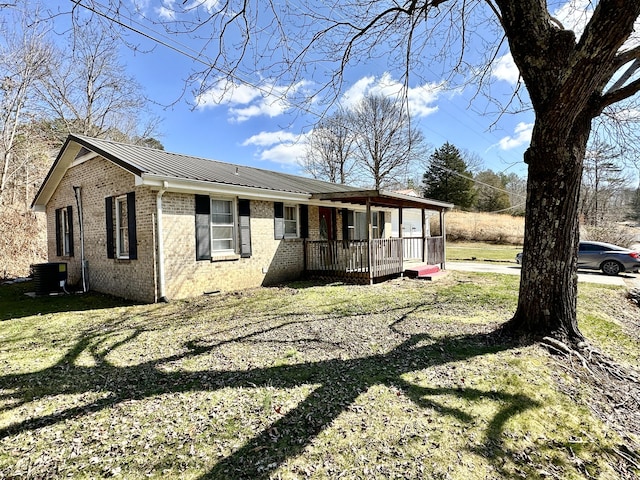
612	392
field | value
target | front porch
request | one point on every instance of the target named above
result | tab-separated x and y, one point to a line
365	261
373	259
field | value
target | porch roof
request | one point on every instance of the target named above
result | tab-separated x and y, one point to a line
383	198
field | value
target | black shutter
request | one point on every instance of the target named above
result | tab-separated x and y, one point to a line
131	225
345	224
59	232
244	216
108	211
304	221
70	220
278	220
381	225
203	227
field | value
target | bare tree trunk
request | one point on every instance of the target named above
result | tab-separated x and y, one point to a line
4	174
549	281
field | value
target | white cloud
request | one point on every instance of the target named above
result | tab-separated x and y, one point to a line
420	98
209	5
505	69
285	153
248	101
264	139
141	5
167	10
281	147
574	15
522	136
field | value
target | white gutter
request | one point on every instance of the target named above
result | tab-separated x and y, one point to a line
198	186
161	281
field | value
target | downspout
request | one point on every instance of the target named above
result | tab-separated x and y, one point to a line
161	283
83	263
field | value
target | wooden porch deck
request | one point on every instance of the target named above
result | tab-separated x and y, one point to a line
365	261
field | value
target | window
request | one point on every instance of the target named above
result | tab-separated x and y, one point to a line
222	226
374	225
218	231
64	232
357	225
122	228
290	221
120	215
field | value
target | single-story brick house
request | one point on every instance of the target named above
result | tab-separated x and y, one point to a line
149	225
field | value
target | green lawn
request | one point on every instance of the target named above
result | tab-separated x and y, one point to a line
398	380
481	252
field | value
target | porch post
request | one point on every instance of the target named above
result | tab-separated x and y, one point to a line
369	237
425	253
443	228
400	237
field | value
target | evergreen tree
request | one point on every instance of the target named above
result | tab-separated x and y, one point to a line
448	178
492	195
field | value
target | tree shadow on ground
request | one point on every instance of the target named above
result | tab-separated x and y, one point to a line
15	303
340	382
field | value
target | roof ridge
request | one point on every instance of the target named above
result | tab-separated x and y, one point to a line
291	176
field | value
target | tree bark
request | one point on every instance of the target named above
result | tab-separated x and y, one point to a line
549	280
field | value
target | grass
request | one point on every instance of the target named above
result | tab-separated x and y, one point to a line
397	380
482	252
484	227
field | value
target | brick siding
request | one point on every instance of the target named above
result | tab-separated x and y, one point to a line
272	261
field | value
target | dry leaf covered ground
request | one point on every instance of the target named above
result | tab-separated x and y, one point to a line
398	380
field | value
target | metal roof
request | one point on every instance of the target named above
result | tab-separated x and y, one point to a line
151	163
143	161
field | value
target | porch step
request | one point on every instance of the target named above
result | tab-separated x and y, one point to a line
422	271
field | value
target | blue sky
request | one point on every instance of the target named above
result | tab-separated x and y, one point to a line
239	123
247	127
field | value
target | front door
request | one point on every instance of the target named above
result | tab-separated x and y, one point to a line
327	233
326	223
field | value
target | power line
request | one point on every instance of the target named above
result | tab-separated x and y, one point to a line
448	170
199	57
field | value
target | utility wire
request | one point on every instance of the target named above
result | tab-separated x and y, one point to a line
198	57
448	170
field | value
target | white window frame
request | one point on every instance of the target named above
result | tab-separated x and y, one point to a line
288	222
375	227
121	229
358	227
64	232
233	224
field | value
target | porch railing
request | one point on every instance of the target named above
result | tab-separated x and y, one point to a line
386	257
350	259
337	257
412	248
435	250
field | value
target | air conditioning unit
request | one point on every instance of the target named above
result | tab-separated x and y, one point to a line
49	277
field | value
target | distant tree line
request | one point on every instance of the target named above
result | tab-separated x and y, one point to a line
607	194
374	144
50	87
449	177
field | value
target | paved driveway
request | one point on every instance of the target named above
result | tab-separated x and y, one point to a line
622	280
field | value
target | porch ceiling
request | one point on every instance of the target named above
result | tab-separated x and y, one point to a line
382	198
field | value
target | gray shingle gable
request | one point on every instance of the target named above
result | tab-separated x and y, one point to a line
143	161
